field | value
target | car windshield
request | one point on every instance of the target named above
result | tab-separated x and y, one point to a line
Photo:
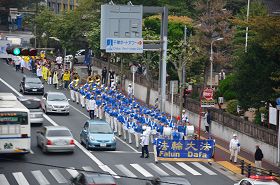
99	179
33	80
58	133
56	97
31	104
100	129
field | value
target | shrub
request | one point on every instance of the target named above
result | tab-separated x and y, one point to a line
232	107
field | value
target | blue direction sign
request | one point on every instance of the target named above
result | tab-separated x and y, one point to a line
278	101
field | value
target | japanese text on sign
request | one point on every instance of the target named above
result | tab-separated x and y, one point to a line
124	45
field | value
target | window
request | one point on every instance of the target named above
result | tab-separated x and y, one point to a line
100	128
57	97
58	133
86	126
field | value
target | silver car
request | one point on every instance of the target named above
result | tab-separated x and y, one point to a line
55	102
55	139
33	104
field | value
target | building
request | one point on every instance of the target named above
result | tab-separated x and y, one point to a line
62	5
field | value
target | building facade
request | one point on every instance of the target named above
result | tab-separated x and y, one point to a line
62	5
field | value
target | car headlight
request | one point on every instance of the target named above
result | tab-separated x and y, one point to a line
67	106
91	138
27	86
42	86
49	106
114	138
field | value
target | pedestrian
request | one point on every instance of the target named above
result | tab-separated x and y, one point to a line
22	64
59	60
145	141
55	79
17	63
184	116
91	107
234	147
112	77
49	74
104	75
89	70
129	90
207	121
66	78
39	72
156	103
258	158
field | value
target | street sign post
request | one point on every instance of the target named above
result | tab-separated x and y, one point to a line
133	69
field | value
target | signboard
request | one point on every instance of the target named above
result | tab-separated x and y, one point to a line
272	115
124	45
175	86
133	68
207	98
185	149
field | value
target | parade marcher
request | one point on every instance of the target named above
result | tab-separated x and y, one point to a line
66	78
166	131
138	130
59	60
39	72
145	141
49	75
82	96
91	107
129	90
55	79
234	147
104	75
130	127
258	158
175	134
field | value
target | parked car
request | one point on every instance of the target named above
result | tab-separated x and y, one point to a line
258	180
55	139
84	178
55	102
78	58
98	134
34	106
30	84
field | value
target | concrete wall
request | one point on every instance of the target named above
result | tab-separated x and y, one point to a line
218	130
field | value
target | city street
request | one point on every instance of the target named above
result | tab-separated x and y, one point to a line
125	161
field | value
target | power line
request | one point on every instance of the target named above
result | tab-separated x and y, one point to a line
82	170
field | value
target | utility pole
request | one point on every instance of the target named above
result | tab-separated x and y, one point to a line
247	28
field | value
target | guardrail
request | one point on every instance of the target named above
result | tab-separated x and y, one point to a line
249	170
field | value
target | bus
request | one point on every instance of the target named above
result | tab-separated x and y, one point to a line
15	126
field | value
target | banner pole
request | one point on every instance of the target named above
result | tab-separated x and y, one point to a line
155	153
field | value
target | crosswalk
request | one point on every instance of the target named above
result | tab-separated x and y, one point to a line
134	170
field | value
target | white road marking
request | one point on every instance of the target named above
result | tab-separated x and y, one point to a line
141	170
115	136
173	169
88	168
126	171
189	169
21	180
58	176
203	168
109	170
40	177
74	173
3	180
157	169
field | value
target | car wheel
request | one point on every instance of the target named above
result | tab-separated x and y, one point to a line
82	143
44	149
67	113
87	146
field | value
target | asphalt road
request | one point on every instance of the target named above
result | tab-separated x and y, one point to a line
125	161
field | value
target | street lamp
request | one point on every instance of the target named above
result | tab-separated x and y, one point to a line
211	60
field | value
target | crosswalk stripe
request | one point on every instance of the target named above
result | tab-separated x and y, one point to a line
40	177
105	168
3	180
58	176
74	173
173	169
189	169
126	171
88	168
21	180
157	169
203	168
141	170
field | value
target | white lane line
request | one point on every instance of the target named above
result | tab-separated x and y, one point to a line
157	169
115	136
189	169
203	168
58	176
173	169
126	171
21	180
3	180
40	177
74	173
141	170
88	168
15	91
109	170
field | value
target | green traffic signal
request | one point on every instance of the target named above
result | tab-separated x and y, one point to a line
16	51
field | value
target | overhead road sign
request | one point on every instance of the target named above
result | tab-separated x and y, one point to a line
124	45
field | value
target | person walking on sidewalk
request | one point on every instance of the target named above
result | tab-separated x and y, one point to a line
234	147
104	76
258	157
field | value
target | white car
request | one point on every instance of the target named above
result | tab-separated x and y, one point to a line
78	59
258	180
55	102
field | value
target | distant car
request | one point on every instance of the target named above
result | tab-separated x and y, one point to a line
32	85
168	180
98	134
79	57
55	102
55	139
34	106
258	180
84	178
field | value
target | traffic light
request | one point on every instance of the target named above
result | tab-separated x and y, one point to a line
21	51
